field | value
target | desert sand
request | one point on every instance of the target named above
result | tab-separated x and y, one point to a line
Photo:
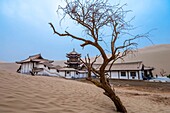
21	93
156	56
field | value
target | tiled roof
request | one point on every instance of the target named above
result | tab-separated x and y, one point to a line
124	66
67	69
73	53
35	58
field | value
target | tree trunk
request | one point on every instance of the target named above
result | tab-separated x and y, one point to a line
111	94
104	84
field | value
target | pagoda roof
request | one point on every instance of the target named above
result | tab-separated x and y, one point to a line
73	62
73	53
67	69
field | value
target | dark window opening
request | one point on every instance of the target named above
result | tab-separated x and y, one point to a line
133	74
123	73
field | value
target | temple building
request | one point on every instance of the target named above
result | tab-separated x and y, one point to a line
74	68
128	70
37	65
73	60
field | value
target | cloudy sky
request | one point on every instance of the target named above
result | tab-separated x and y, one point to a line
24	28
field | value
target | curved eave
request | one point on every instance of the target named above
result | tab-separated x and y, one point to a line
72	62
21	62
18	62
73	56
124	70
149	69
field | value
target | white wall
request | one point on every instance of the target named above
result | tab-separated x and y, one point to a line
116	75
61	73
72	74
49	72
140	75
26	68
67	75
82	75
113	75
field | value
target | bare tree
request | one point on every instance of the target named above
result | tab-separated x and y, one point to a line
162	72
95	16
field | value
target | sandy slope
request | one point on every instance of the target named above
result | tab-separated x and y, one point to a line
12	67
60	63
156	56
39	94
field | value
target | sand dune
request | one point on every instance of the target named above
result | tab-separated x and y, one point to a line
156	56
12	67
40	94
60	63
28	94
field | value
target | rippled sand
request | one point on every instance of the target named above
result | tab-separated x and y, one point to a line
40	94
37	94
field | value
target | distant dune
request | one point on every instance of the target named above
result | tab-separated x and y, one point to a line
157	56
12	67
59	62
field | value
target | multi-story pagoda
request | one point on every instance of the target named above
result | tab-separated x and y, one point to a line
73	59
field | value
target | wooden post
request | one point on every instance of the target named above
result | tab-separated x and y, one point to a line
128	74
138	75
118	75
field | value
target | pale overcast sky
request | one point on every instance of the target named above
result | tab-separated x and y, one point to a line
24	28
